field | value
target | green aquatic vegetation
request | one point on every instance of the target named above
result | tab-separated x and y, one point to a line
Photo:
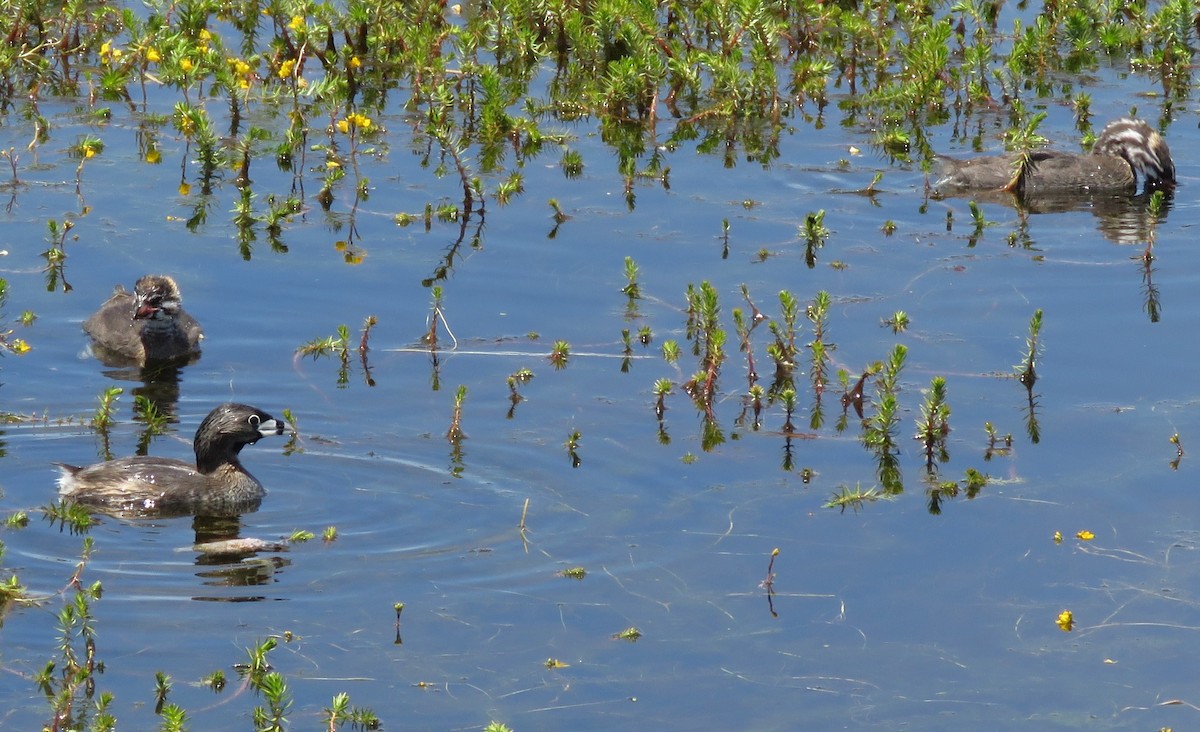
56	254
708	343
898	323
455	433
815	233
879	433
572	446
102	418
339	712
560	355
933	423
784	350
630	634
72	516
8	344
855	498
819	349
68	680
1026	370
632	289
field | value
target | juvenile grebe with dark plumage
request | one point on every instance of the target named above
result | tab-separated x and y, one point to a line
148	326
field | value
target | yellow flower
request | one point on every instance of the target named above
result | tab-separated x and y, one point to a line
332	164
153	156
153	56
1057	537
117	53
355	62
286	68
1065	621
89	151
205	35
361	121
19	346
297	23
185	188
1085	535
186	64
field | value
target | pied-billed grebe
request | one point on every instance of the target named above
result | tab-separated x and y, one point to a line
152	485
149	325
1125	148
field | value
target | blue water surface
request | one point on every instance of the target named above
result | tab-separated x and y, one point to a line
884	617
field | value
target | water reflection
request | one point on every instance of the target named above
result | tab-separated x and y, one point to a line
1121	218
159	384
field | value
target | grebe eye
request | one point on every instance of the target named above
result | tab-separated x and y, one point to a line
253	420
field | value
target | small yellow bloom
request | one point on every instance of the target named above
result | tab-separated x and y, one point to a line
1057	537
297	23
332	164
20	347
355	62
105	48
1065	621
243	83
89	152
286	68
186	65
185	188
1085	535
117	53
153	156
205	35
343	126
340	246
153	56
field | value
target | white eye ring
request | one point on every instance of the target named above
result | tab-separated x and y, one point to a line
253	420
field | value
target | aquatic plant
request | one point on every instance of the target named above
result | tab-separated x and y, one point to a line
1026	370
933	423
455	433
